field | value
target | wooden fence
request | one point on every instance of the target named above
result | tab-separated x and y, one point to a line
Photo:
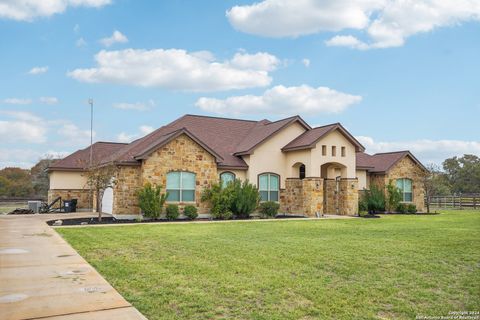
462	201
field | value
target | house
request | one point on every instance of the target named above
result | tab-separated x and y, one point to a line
307	170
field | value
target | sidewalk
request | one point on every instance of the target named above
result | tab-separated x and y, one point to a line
41	276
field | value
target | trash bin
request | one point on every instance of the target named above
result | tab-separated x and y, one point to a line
70	205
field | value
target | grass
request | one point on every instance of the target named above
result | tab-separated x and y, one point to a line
394	267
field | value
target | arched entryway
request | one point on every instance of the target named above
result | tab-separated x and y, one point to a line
332	173
299	170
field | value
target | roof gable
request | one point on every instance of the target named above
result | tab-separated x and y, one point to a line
383	162
310	138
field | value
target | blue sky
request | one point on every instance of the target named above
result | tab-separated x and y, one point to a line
397	76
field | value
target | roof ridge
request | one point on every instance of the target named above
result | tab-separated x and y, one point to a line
390	152
216	117
288	118
111	142
327	125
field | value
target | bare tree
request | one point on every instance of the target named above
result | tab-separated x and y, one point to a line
99	178
434	183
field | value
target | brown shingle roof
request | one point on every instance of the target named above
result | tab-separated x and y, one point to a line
309	138
81	158
382	162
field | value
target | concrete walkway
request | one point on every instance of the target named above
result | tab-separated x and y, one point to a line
43	277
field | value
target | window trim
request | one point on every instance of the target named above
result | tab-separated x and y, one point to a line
402	190
180	189
227	172
268	191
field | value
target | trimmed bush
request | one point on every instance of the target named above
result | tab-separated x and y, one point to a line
402	208
172	212
220	199
151	201
190	212
269	209
411	208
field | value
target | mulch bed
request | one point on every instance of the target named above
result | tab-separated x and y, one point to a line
111	220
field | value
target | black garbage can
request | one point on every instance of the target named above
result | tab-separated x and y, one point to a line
70	205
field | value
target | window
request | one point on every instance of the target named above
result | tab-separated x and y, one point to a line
181	186
334	151
268	185
226	178
324	150
343	151
301	171
405	186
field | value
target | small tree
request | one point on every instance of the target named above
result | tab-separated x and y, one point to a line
99	178
393	198
151	200
435	183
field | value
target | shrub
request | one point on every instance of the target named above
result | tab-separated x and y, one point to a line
190	212
151	201
402	208
362	202
411	208
172	212
245	198
269	209
375	199
393	198
220	199
237	198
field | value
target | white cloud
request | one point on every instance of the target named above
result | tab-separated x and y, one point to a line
125	137
306	62
258	61
73	135
18	101
81	42
48	100
177	69
427	151
26	158
76	28
28	10
116	37
387	23
346	41
38	70
282	100
22	126
138	106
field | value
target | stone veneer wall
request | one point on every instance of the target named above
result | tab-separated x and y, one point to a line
291	198
348	197
302	196
182	154
330	200
312	196
405	168
82	196
128	181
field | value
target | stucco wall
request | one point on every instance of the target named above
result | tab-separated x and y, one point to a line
239	174
334	138
268	157
362	179
182	154
67	180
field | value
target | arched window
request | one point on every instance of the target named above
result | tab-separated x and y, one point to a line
269	186
181	186
301	171
226	178
405	186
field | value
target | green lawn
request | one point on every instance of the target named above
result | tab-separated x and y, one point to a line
394	267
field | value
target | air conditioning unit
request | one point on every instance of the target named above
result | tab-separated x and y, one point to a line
34	206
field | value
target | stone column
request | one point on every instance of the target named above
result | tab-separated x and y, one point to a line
312	196
330	194
348	196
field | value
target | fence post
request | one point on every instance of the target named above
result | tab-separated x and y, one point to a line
460	201
474	203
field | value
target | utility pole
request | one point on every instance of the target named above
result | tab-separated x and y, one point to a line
90	101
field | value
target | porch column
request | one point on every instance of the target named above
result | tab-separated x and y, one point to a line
348	196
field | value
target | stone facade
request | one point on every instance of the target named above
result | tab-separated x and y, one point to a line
348	197
82	196
330	198
405	168
128	181
302	196
182	154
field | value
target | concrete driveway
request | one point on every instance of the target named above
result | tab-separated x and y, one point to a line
42	276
